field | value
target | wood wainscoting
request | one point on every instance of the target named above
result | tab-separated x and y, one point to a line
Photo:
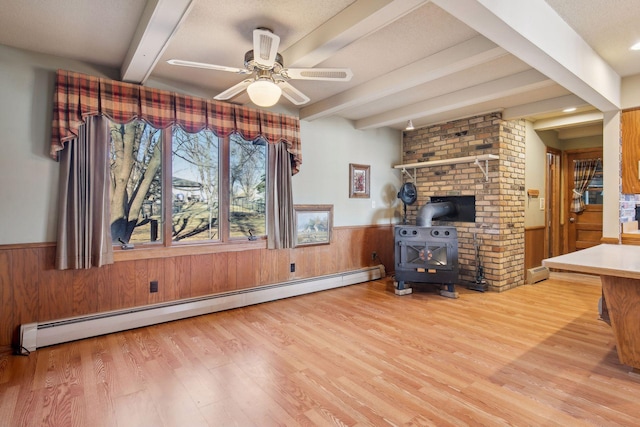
627	239
32	290
533	247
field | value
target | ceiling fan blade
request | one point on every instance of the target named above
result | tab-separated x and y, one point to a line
233	90
265	47
331	74
293	94
183	63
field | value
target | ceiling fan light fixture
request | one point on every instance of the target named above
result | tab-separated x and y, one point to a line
264	92
409	125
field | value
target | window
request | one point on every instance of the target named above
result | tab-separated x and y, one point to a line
593	194
200	166
247	186
136	183
194	186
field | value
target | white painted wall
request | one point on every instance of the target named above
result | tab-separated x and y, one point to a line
580	143
534	177
611	173
328	146
630	97
29	178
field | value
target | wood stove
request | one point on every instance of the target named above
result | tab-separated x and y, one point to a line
426	255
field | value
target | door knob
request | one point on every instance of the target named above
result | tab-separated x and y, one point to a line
572	219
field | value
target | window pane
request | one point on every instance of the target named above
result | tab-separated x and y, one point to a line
247	182
136	184
194	160
593	194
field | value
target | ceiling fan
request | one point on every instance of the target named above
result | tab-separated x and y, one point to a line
269	78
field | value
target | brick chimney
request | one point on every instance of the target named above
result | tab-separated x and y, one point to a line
500	201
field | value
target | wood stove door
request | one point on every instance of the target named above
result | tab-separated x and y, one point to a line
583	230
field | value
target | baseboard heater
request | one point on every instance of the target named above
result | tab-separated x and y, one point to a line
36	335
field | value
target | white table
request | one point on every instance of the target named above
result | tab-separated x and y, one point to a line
619	269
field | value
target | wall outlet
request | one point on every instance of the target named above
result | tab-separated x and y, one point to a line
153	286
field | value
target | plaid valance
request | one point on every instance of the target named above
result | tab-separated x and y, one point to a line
78	96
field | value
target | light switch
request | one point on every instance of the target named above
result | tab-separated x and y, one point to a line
541	203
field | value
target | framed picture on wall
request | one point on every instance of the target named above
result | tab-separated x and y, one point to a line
313	224
359	180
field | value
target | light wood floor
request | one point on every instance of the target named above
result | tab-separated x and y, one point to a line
357	356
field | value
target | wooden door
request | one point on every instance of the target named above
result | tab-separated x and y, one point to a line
553	216
584	229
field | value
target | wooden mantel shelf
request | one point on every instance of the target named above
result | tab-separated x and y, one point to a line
469	159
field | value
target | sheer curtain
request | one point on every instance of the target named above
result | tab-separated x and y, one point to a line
280	201
84	235
583	173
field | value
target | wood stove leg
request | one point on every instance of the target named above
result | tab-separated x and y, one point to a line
450	291
401	289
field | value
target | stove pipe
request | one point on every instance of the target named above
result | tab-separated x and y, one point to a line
430	211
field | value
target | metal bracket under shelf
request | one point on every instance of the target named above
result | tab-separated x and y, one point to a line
475	159
484	170
410	177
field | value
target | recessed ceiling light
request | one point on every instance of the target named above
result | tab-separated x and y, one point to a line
635	46
569	110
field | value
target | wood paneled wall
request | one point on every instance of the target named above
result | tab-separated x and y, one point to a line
533	247
626	239
31	290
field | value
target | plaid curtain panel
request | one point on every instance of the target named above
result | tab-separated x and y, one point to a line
78	96
583	173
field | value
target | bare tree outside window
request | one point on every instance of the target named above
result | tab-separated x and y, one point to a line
195	186
247	182
192	204
136	187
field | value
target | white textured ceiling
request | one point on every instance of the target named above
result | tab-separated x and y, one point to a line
429	61
610	27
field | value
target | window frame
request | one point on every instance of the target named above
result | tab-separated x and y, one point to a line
167	247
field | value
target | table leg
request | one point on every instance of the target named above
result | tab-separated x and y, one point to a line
622	296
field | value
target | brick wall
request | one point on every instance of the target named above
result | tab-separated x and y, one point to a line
500	201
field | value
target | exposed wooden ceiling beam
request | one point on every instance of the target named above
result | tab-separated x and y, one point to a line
506	86
159	22
592	117
356	21
532	31
546	106
457	58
